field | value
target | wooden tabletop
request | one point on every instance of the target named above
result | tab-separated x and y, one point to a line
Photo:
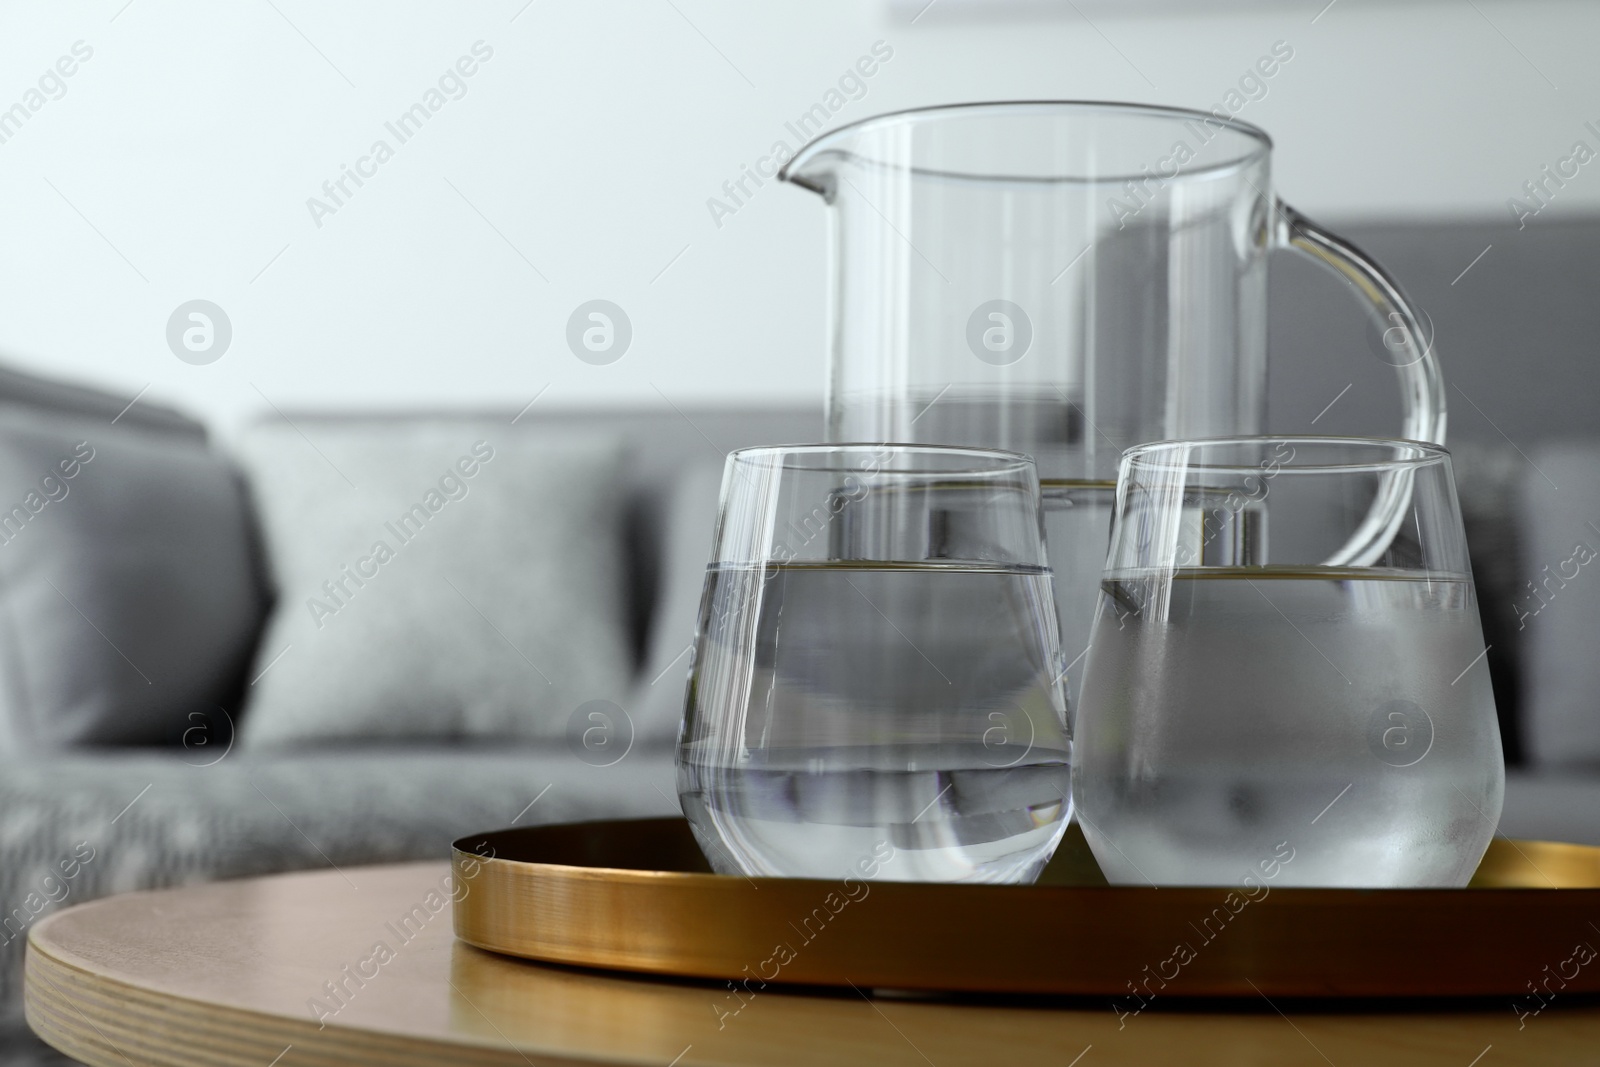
361	967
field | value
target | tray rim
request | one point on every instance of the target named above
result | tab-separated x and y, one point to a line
1331	943
461	853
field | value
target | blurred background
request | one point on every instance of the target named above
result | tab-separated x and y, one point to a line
587	155
397	210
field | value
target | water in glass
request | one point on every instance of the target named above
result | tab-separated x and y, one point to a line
908	705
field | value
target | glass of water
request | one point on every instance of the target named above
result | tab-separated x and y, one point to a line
1286	681
876	689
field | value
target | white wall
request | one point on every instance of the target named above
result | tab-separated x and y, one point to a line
179	160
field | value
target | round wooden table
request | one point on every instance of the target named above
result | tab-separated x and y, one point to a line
361	967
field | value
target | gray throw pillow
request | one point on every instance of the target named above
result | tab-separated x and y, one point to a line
656	703
442	579
129	598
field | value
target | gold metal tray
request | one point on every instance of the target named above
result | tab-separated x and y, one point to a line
639	896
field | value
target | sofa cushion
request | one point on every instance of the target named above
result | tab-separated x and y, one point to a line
84	826
129	595
445	579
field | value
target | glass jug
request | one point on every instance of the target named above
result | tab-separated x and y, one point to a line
1068	280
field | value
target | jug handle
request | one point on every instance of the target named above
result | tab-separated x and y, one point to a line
1421	385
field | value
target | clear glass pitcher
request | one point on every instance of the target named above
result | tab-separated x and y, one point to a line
1069	279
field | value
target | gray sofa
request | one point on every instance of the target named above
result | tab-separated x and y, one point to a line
203	808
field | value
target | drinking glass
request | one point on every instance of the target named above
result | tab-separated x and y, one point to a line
1258	705
876	683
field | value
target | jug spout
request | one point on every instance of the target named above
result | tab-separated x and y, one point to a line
815	167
